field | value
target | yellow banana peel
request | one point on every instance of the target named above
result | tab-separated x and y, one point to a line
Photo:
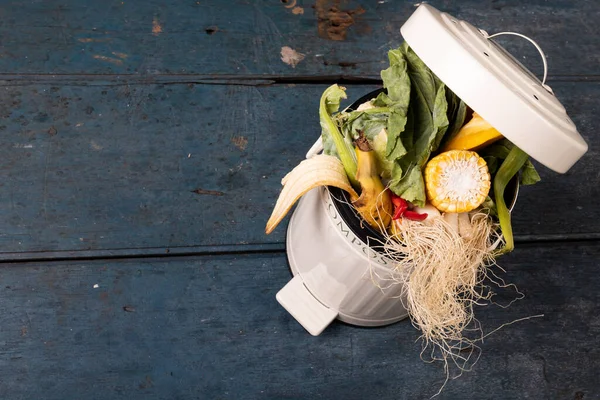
375	202
476	134
320	170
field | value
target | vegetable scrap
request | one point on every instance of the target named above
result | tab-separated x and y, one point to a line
457	181
477	133
321	170
431	175
400	206
414	216
374	203
401	210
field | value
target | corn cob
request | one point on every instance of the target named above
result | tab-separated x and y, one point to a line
457	181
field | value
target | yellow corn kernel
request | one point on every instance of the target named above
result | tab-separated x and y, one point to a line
457	181
477	133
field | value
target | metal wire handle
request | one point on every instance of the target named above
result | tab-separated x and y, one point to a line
539	49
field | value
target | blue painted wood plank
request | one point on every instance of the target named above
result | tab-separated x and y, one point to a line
246	37
210	328
112	168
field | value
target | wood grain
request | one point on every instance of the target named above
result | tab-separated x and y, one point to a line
113	167
143	145
210	328
337	38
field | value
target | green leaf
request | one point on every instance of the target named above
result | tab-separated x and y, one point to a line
395	126
497	150
398	86
371	123
529	175
396	81
500	150
390	112
331	98
411	186
334	142
422	79
427	121
490	206
510	167
440	118
492	164
457	113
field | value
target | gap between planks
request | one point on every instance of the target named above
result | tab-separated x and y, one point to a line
240	249
225	79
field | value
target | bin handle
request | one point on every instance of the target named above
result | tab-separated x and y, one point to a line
316	148
538	48
313	315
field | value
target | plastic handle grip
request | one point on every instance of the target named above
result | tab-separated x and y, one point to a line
304	307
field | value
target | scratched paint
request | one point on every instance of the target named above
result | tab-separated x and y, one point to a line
95	146
332	21
120	55
69	37
144	163
208	192
156	27
91	40
240	142
108	59
290	56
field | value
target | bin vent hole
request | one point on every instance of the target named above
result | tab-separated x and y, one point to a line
486	54
535	97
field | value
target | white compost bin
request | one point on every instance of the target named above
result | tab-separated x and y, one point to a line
338	270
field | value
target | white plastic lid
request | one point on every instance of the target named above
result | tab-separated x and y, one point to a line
490	81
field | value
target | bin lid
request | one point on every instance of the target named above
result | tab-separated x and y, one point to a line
495	85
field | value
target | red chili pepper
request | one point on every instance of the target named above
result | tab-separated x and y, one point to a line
400	206
414	216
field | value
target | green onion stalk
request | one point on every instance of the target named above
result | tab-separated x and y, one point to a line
510	167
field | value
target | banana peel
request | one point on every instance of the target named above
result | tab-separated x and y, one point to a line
375	202
320	170
476	134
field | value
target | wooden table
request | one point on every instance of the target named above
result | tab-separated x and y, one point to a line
143	143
